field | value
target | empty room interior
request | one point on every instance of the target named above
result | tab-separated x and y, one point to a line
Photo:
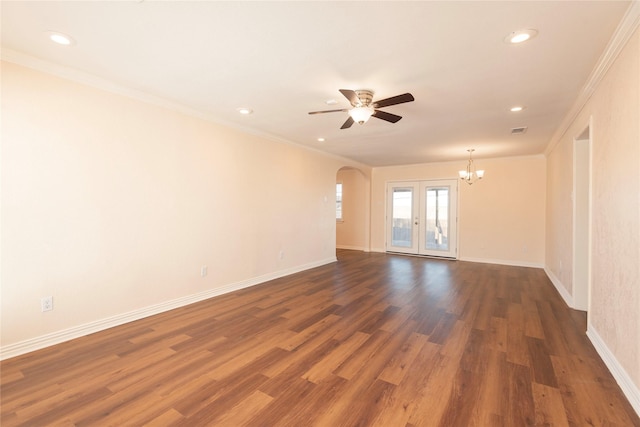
284	213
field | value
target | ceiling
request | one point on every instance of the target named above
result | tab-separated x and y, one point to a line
284	59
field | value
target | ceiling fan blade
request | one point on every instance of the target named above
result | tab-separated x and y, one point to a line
399	99
348	123
351	96
328	111
386	116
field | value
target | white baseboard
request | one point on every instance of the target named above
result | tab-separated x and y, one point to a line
484	260
37	343
623	379
351	248
564	293
502	262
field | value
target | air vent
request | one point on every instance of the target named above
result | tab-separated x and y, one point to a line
519	131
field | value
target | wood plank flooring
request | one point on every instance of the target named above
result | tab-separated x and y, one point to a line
372	340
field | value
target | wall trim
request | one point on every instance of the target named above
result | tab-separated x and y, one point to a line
502	262
630	390
100	83
96	82
352	248
564	293
479	260
47	340
627	26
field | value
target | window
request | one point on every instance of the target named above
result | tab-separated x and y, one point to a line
339	201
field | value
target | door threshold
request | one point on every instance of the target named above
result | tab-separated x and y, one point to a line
423	256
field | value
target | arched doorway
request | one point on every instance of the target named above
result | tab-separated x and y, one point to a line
353	195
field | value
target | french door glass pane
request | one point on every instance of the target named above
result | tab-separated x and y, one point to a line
437	211
402	231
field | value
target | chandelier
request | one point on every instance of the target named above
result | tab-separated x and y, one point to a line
471	175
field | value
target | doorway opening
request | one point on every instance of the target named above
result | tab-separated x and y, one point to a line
582	219
352	213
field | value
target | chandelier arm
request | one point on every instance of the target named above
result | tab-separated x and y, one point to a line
471	174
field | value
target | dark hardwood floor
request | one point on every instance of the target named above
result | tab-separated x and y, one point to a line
373	340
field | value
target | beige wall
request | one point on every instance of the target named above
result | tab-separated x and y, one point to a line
614	305
501	217
558	254
353	231
111	205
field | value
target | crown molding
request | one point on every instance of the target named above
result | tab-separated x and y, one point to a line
77	76
626	28
87	79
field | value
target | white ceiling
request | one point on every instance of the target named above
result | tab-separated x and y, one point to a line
284	59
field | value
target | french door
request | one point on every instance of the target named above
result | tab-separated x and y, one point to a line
422	217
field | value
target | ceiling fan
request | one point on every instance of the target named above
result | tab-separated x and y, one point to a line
364	107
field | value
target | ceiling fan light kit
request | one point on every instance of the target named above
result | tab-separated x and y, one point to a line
471	175
361	114
364	107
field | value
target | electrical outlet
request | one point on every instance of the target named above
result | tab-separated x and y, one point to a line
203	271
46	303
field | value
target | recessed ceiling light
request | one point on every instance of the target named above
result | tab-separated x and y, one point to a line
321	139
516	108
331	102
60	38
244	111
520	36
